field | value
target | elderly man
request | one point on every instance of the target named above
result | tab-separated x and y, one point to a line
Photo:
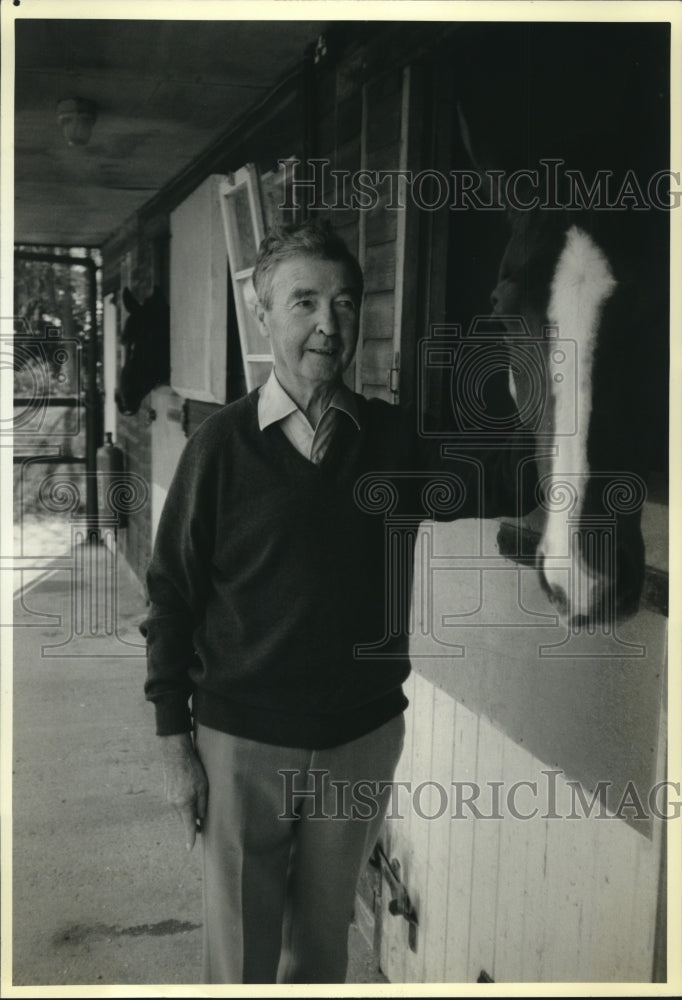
269	593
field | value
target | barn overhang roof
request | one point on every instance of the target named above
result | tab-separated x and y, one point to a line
164	92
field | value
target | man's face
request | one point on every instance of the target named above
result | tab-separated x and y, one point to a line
312	322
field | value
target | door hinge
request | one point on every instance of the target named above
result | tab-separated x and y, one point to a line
394	374
399	904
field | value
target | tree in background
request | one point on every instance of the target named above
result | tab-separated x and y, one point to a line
53	332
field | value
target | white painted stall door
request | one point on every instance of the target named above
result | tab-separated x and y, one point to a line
168	441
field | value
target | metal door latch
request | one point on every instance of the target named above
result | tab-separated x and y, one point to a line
399	903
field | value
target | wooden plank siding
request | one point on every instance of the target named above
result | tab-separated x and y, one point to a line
537	900
134	269
382	234
380	265
438	847
542	899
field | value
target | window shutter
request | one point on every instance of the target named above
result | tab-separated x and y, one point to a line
243	221
198	296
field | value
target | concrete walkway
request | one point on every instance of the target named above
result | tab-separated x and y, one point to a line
104	892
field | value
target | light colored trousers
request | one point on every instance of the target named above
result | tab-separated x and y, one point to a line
281	867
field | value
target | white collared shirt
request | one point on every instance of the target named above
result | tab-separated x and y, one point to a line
275	405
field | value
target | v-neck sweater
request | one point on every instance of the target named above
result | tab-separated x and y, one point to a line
268	584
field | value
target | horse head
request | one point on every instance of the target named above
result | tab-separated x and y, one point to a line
588	287
146	345
580	309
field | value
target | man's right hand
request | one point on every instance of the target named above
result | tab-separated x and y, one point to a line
186	785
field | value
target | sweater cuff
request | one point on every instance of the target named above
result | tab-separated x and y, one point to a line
172	716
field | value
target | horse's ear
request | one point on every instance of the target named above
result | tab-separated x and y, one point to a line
475	159
129	301
465	133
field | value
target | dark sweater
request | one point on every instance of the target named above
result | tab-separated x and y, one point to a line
269	572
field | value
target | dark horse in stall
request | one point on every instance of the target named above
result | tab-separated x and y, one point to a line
146	346
568	125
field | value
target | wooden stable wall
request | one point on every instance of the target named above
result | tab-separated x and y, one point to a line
536	900
539	899
128	261
365	128
371	122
